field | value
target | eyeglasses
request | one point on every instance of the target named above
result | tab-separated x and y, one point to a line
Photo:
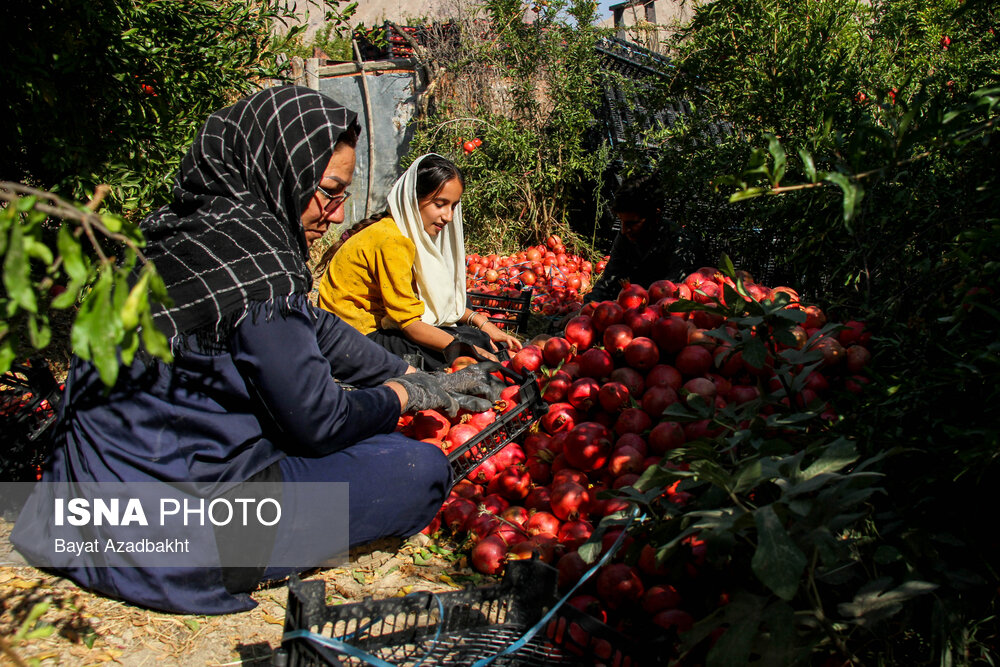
335	200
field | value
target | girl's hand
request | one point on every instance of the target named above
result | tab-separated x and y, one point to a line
498	336
485	353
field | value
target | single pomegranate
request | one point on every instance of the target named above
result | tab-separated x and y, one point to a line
560	417
669	333
580	332
583	394
568	499
595	363
665	436
588	446
658	399
613	396
619	585
616	338
605	314
642	354
543	522
490	555
663	375
693	361
632	420
430	424
633	296
556	351
528	358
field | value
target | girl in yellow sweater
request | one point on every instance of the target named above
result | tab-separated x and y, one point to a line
399	277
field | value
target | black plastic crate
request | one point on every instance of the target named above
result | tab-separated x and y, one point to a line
506	429
509	311
452	628
29	402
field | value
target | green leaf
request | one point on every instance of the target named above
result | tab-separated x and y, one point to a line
873	603
733	647
113	223
853	193
777	561
39	331
754	353
25	204
17	274
69	249
7	353
836	456
778	153
748	193
153	339
808	165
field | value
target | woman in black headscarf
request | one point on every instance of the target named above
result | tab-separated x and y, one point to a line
252	394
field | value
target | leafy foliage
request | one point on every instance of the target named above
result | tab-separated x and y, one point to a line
530	91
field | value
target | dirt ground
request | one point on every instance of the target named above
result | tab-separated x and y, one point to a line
81	628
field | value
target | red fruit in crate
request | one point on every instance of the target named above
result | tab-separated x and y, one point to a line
460	362
510	455
480	420
693	361
669	333
457	514
459	434
430	424
642	354
490	555
543	522
556	350
484	472
568	500
632	420
596	363
613	396
560	417
605	314
588	446
528	358
619	585
633	296
535	442
582	394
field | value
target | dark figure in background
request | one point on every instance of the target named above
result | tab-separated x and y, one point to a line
649	247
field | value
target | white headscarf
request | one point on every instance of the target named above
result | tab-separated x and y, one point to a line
439	265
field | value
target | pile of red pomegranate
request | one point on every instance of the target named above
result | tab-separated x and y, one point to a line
608	381
557	276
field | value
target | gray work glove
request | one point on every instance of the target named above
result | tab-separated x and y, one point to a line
425	392
474	380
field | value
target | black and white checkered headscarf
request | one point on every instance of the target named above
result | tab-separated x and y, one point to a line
233	233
